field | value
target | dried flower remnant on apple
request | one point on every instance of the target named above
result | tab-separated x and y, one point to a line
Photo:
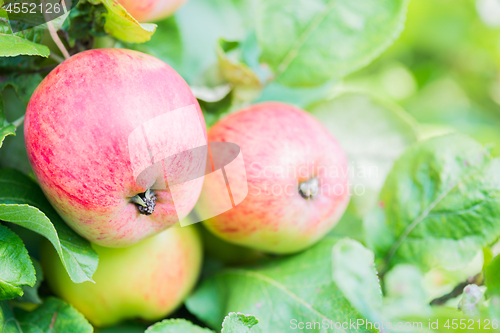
309	189
145	202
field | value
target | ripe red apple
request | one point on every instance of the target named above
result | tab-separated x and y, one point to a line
83	129
148	280
297	180
151	10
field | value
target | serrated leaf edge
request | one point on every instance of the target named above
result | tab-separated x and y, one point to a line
60	248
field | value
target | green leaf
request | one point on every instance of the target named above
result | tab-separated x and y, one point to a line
349	226
234	70
85	20
13	150
494	309
309	42
5	128
404	293
239	323
246	85
15	263
20	63
439	206
13	45
354	273
373	133
22	202
20	43
492	277
176	326
191	50
301	97
30	294
8	324
124	27
23	84
53	315
211	86
297	287
445	320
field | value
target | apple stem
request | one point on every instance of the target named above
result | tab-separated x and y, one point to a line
309	189
145	202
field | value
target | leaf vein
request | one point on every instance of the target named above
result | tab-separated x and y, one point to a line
278	285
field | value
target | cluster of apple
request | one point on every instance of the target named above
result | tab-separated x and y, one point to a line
77	128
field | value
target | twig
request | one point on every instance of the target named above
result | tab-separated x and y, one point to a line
63	3
57	40
55	37
458	290
18	121
55	57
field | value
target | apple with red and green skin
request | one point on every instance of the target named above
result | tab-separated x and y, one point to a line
77	129
151	10
297	180
148	280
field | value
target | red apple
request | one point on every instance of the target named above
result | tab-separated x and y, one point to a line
151	10
297	180
148	280
83	129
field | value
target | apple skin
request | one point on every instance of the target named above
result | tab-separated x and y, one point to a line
151	10
282	146
148	280
76	130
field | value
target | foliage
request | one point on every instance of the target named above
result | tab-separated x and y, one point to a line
233	323
418	120
430	203
254	290
25	42
291	32
54	315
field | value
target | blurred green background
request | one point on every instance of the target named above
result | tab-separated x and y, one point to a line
444	69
